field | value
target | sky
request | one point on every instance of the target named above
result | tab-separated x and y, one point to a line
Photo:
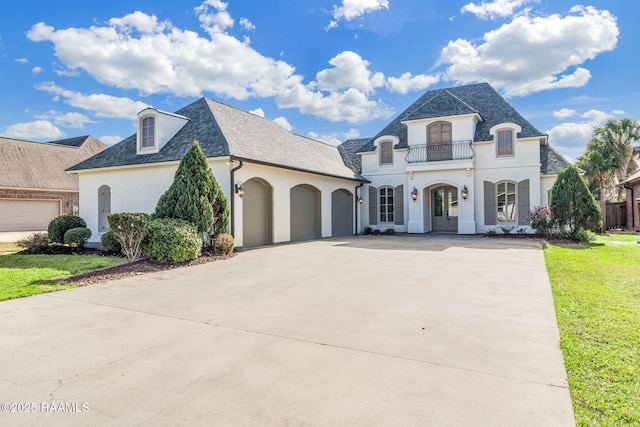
327	69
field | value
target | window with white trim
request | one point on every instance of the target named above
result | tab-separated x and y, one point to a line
504	142
148	132
386	205
507	202
386	153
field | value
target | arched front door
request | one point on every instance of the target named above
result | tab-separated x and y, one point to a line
256	214
444	209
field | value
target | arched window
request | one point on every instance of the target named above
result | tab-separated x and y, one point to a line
148	132
504	142
386	153
439	141
104	208
507	202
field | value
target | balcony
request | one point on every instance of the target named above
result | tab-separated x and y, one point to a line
455	150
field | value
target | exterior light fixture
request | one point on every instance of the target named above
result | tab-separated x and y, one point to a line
414	194
360	200
465	192
240	189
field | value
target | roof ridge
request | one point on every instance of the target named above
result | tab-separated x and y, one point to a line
452	94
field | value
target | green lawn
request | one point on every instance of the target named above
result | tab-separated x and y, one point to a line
24	275
596	289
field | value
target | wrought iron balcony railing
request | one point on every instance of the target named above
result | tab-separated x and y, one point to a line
455	150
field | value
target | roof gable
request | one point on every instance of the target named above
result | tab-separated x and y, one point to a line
443	103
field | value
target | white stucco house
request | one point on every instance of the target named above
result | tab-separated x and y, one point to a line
458	160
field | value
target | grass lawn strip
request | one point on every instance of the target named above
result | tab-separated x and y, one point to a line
596	290
24	275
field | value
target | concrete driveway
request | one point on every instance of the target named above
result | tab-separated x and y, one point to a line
362	331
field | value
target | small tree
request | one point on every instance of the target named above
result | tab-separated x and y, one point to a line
220	211
572	203
192	193
129	229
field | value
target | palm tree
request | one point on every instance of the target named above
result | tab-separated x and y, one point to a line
599	163
618	136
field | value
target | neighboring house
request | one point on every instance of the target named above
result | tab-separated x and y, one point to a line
281	187
34	187
459	160
632	186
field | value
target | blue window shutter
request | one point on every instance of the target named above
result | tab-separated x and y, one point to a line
523	203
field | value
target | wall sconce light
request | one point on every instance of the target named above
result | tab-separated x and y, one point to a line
240	189
360	200
465	192
414	194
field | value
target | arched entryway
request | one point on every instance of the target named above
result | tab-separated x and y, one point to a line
444	209
305	213
341	213
257	213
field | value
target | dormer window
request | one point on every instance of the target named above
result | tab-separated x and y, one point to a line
505	142
386	153
148	132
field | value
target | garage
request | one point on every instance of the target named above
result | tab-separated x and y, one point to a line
27	215
305	213
257	213
341	213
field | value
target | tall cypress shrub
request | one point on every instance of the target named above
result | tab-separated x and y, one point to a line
573	204
192	193
220	211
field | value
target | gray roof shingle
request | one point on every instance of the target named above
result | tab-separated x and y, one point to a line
41	165
223	130
348	150
479	99
551	162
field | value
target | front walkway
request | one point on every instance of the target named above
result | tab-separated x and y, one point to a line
363	331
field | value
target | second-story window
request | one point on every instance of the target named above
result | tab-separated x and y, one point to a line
439	141
505	142
386	153
148	132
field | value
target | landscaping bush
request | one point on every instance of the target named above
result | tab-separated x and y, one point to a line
172	240
35	243
130	229
77	236
585	236
367	231
543	220
59	225
224	244
389	231
109	243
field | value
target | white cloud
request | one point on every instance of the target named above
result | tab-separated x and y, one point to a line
571	138
102	105
334	138
110	139
71	120
140	52
22	60
258	112
39	129
564	113
618	112
246	24
283	123
494	9
36	70
408	82
67	73
352	9
532	54
350	71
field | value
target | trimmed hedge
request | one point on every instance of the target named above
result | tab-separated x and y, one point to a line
59	225
109	243
77	236
173	240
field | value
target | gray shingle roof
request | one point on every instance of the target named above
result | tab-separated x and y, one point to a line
551	162
348	150
41	165
223	130
479	99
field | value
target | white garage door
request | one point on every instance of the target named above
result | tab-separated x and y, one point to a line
27	215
